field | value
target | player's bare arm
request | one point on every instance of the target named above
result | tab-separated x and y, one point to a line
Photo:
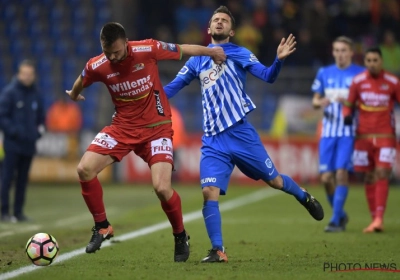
320	102
75	92
286	47
216	53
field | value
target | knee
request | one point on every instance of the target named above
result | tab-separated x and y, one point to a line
276	183
84	172
326	178
210	193
369	178
163	190
341	177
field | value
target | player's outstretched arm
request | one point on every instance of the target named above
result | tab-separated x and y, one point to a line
216	53
75	92
286	47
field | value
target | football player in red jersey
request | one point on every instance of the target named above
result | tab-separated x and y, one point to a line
374	93
141	123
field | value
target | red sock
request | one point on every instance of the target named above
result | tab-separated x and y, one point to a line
381	194
173	210
370	193
92	193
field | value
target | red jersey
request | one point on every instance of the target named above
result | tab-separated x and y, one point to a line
134	83
374	98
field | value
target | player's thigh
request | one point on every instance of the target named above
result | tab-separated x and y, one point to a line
252	159
111	142
327	151
344	153
385	152
161	173
156	146
363	155
93	163
216	166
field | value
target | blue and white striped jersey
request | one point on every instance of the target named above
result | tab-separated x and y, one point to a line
224	99
333	82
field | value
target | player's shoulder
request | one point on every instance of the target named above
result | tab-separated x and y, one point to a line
357	68
96	62
360	77
327	69
146	45
390	78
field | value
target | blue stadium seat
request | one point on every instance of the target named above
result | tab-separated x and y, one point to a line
37	29
56	14
62	47
33	12
14	28
44	66
40	46
10	13
103	15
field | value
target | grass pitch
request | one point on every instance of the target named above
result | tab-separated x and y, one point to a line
274	238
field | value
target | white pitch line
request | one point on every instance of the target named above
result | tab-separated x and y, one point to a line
225	206
20	230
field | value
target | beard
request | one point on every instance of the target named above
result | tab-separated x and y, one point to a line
219	37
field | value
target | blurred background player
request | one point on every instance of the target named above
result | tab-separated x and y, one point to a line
21	119
141	123
229	139
330	87
179	139
373	94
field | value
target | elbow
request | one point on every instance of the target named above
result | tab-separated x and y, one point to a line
271	80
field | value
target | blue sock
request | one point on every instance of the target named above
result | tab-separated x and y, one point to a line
212	219
330	199
338	203
290	187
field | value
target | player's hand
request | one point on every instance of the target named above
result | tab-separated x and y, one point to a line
219	55
286	47
348	120
324	102
77	98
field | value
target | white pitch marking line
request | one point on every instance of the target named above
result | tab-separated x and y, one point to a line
20	230
225	206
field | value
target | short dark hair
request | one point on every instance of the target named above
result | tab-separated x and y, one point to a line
27	62
374	50
346	40
111	32
225	10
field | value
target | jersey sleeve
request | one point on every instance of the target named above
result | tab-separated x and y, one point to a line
189	72
167	51
244	57
318	85
88	75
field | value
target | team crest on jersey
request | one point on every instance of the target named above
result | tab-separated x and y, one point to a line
384	87
141	49
99	62
138	67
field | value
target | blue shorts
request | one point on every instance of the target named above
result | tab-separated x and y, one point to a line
335	153
238	145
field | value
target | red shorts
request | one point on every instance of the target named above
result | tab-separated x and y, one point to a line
152	144
374	152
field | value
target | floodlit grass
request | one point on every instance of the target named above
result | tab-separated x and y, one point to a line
274	238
